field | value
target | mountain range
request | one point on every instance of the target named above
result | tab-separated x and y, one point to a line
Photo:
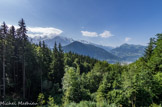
89	50
129	52
126	53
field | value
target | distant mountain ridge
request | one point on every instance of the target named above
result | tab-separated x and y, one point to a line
123	53
129	52
107	48
65	41
89	50
58	39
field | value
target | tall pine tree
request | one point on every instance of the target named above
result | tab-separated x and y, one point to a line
4	34
149	49
22	33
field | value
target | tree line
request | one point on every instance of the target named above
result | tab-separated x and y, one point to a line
33	72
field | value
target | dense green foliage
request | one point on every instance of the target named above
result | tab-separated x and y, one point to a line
54	78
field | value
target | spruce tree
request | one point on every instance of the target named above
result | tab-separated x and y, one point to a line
12	34
53	74
149	49
1	60
61	63
22	33
4	34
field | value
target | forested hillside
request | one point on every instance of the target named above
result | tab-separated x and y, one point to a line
35	73
90	50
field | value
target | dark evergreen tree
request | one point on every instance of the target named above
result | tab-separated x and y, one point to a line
10	60
4	34
11	44
1	61
149	49
22	33
61	63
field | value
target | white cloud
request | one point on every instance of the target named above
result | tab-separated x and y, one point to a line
127	39
41	32
89	34
16	27
48	32
106	34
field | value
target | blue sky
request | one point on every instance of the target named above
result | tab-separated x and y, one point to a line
106	22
